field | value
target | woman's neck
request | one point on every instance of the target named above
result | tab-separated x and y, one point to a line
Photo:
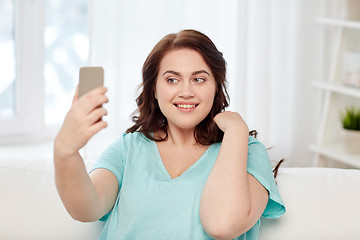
181	137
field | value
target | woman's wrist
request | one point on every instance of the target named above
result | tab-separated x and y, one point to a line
237	130
62	152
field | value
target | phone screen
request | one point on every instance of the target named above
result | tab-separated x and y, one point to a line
90	78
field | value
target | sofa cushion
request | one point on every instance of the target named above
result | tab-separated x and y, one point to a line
30	206
321	203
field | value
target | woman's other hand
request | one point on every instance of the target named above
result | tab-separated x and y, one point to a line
230	120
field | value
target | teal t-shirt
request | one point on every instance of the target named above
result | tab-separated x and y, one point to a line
152	205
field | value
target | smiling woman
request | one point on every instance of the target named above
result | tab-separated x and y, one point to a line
186	163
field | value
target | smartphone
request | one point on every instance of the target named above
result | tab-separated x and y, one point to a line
90	78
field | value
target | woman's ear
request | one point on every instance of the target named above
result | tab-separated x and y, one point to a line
155	95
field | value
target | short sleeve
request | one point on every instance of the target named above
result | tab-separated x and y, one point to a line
113	160
259	166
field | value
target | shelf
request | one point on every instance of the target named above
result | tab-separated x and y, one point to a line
338	22
346	90
337	94
336	152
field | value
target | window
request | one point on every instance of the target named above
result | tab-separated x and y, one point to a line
7	60
43	43
66	43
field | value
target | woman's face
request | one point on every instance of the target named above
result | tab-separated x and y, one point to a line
185	88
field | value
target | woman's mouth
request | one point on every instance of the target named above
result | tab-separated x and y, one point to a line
183	107
186	106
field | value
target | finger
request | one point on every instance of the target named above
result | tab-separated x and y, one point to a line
91	101
94	92
96	115
76	96
95	128
97	91
94	103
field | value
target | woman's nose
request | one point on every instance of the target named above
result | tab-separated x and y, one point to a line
186	90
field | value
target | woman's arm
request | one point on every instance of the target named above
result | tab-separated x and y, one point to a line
85	198
232	200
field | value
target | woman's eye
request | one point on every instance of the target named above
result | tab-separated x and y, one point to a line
172	80
199	80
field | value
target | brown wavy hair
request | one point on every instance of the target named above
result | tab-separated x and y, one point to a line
148	117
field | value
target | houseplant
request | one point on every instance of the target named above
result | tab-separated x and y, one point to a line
350	120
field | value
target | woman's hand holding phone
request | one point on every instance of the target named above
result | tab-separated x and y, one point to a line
83	121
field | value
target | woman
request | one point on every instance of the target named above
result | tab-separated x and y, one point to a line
187	169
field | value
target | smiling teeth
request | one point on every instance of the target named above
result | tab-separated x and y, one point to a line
185	106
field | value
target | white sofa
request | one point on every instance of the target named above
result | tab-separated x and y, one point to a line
322	204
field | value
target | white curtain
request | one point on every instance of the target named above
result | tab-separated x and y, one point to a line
283	50
271	48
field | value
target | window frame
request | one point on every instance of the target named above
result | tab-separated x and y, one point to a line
28	124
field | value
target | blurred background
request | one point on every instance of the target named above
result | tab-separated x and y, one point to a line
274	51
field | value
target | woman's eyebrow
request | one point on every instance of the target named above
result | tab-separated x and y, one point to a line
172	72
193	73
200	71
